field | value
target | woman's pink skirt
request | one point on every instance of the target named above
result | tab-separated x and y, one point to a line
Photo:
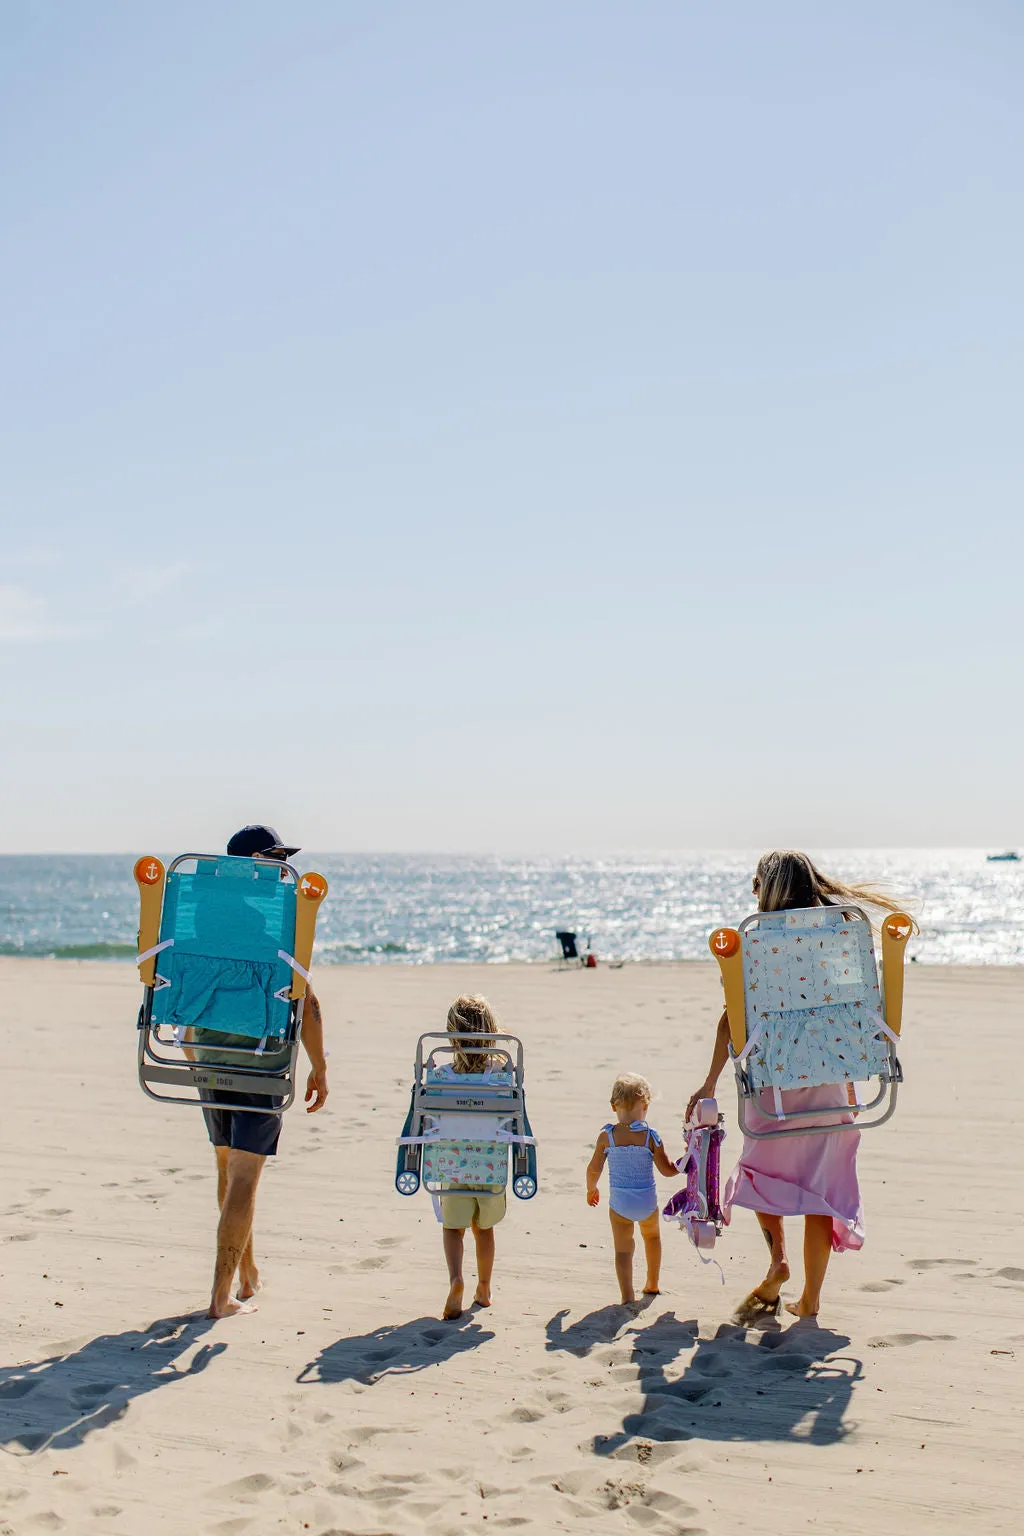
813	1175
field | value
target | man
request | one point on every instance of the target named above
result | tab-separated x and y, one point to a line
243	1140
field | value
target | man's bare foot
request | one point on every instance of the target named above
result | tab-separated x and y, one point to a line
249	1285
230	1307
482	1296
801	1308
453	1306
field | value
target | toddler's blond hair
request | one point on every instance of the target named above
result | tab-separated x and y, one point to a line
629	1087
471	1015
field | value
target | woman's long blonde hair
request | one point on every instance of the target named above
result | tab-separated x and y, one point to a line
785	879
471	1015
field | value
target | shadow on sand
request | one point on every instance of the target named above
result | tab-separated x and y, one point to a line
396	1349
776	1384
58	1402
599	1327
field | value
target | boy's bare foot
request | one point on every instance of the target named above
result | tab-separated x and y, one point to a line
651	1290
453	1306
801	1308
482	1296
231	1307
627	1301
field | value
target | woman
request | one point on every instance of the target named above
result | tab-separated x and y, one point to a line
815	1175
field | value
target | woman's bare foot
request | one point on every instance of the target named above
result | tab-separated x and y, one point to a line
230	1307
453	1306
769	1289
482	1296
802	1308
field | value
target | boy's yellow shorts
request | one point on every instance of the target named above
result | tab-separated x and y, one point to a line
459	1211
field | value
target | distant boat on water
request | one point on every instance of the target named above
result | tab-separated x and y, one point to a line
1002	858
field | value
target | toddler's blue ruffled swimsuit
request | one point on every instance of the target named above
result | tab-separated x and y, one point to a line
632	1193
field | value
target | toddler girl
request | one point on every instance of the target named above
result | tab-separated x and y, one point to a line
632	1151
480	1209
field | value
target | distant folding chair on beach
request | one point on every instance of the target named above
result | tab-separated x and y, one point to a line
570	950
463	1128
225	946
806	1009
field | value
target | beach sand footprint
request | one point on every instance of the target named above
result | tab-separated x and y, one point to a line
902	1340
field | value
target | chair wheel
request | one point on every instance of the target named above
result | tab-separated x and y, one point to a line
524	1187
407	1182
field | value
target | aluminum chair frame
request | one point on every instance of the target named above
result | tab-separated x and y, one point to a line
208	1080
726	944
506	1100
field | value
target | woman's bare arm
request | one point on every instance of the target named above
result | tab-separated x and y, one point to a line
719	1057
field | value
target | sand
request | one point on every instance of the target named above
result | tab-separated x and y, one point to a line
345	1405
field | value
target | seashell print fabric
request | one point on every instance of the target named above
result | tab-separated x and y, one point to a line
812	1000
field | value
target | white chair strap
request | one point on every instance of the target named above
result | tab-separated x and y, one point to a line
283	954
147	954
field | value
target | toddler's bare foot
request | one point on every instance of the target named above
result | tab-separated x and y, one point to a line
482	1296
453	1306
802	1308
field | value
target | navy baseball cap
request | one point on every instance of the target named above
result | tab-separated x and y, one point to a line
253	840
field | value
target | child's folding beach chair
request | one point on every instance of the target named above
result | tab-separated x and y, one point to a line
806	1009
224	951
462	1127
697	1207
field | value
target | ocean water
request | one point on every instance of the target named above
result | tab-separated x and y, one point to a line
419	909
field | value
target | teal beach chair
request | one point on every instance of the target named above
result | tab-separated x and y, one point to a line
224	951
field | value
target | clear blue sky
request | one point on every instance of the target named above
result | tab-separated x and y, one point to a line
529	427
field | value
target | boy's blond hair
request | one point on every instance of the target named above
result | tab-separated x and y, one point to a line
471	1015
629	1087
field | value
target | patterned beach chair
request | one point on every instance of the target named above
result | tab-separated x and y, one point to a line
464	1128
806	1009
224	951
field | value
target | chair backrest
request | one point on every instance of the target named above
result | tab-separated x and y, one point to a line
568	943
814	1012
228	921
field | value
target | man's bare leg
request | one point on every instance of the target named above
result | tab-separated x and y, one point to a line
484	1264
234	1231
454	1242
248	1275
